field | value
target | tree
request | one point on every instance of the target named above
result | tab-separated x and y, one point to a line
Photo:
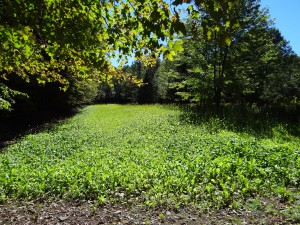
148	90
256	65
221	30
121	87
44	39
261	64
135	83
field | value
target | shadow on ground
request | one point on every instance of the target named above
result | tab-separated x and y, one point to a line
13	126
257	121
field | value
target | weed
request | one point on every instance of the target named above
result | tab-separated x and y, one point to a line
114	153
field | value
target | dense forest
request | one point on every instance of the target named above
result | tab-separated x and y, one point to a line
257	67
56	55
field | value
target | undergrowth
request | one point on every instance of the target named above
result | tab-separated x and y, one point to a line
114	153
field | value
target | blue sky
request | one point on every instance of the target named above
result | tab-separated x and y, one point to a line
287	19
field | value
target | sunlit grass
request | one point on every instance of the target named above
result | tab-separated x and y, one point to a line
148	154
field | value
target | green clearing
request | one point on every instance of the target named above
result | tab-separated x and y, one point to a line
129	153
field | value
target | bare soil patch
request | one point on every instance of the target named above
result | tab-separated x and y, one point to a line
62	212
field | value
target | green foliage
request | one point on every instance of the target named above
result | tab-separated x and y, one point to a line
147	153
122	87
148	90
257	67
262	66
7	97
83	31
136	83
42	40
219	19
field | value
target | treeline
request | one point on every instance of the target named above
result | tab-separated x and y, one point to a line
237	58
143	90
55	54
258	67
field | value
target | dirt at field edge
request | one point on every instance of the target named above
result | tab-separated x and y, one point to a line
82	213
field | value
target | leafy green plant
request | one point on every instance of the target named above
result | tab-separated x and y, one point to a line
129	153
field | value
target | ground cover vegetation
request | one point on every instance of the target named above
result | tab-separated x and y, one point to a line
231	141
152	155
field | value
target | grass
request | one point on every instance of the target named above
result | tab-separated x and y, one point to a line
122	153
